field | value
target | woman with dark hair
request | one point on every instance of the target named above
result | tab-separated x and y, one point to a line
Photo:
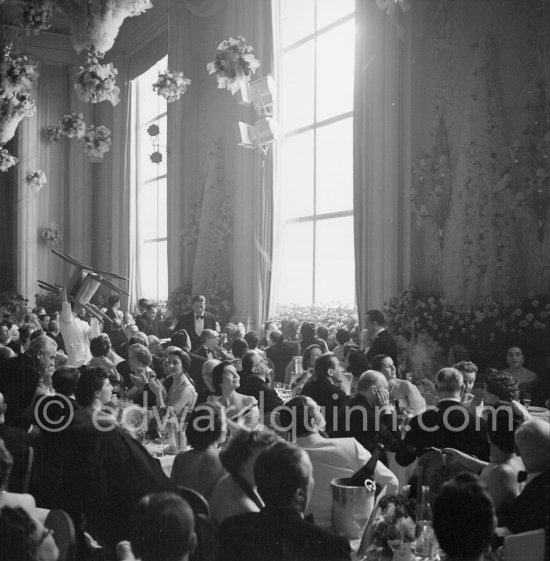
23	538
182	395
93	391
500	474
407	394
235	493
240	409
200	468
308	332
514	366
103	356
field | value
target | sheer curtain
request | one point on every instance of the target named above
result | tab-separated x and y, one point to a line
381	216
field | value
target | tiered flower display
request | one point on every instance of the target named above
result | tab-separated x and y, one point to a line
36	179
171	85
95	23
96	82
17	75
234	64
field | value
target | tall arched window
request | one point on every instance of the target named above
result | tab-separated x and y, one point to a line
151	211
316	79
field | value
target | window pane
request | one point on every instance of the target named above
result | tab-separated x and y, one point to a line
154	267
335	167
297	264
297	20
153	210
335	60
329	11
298	87
335	261
298	175
151	104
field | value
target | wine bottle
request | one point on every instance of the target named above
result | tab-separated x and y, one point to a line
367	471
425	536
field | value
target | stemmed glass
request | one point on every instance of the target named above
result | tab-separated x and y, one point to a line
163	433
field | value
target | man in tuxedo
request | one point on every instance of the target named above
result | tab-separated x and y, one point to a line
196	321
210	348
280	352
529	510
383	342
445	425
284	477
148	322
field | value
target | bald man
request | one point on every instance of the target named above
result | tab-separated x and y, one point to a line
19	376
445	425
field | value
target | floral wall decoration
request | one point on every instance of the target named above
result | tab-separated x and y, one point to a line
51	233
96	82
17	74
480	255
37	15
234	64
36	179
97	140
95	23
171	85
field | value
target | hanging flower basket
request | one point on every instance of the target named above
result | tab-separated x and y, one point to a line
36	179
97	141
37	16
96	82
234	64
95	23
73	126
51	233
6	160
171	85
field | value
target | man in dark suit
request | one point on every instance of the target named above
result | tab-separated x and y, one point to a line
383	342
284	477
529	510
17	442
209	348
280	352
447	425
256	383
196	321
148	322
367	416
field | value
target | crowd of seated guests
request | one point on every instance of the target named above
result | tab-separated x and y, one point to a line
98	472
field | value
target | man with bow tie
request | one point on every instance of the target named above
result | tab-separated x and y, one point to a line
196	321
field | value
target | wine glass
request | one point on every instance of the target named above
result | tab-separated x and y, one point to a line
163	433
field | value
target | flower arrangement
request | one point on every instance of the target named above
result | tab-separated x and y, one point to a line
50	301
179	300
234	64
97	141
95	23
37	15
36	179
73	126
96	82
171	85
54	133
51	233
486	328
7	160
396	511
12	303
291	317
17	74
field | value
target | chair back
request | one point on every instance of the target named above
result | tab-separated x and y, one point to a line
528	546
196	501
63	532
207	540
28	471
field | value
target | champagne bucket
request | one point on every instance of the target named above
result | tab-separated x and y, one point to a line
351	507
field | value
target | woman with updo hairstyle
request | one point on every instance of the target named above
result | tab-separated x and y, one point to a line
181	395
200	468
408	396
241	410
93	391
514	366
235	493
